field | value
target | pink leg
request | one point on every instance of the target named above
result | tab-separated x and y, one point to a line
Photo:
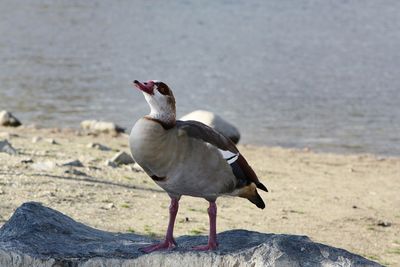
212	237
169	241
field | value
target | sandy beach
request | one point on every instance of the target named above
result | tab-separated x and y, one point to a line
346	201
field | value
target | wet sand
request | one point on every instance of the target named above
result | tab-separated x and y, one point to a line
347	201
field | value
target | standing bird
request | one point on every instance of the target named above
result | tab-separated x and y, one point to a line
188	158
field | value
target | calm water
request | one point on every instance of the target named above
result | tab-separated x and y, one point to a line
319	74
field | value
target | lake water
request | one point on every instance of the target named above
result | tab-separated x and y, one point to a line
318	74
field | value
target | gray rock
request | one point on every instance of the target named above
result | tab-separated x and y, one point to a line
98	146
122	158
73	163
39	236
101	127
6	147
214	121
110	163
8	119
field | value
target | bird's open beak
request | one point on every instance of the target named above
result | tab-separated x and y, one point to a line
146	87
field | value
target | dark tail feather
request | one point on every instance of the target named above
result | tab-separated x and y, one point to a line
257	200
262	187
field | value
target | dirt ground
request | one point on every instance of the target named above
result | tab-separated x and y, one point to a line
347	201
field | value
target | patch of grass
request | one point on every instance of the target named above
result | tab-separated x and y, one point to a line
198	210
297	211
294	211
148	231
195	231
371	257
127	177
125	205
130	230
394	251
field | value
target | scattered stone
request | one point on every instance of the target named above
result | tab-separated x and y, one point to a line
73	163
26	161
39	236
2	192
101	127
51	141
98	146
122	158
43	166
6	147
384	223
94	168
8	119
75	172
355	207
110	206
36	139
110	164
137	168
214	121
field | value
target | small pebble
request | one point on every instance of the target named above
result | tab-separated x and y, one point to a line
74	163
384	223
75	172
122	158
110	163
51	141
26	161
98	146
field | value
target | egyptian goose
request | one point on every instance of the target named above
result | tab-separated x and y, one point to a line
188	158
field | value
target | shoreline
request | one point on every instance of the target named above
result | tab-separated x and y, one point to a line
347	201
77	129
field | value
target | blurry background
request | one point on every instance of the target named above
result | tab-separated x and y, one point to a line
318	74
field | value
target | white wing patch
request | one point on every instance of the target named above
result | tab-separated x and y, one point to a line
229	156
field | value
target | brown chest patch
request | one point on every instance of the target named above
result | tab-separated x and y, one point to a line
165	125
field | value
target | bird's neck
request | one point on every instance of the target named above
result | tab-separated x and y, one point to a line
166	119
162	110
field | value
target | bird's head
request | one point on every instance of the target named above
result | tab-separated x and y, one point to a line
160	99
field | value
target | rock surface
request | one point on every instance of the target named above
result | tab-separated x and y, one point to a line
6	147
214	121
8	119
72	163
122	158
101	127
39	236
